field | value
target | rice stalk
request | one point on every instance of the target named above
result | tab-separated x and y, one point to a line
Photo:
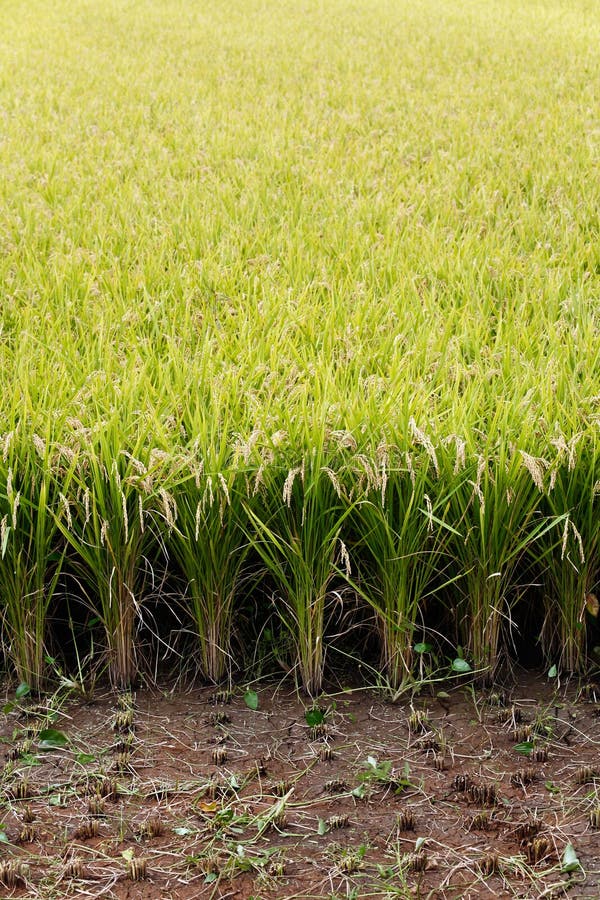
496	508
115	504
31	551
571	575
295	531
400	546
209	545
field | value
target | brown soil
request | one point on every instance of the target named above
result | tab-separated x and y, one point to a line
214	799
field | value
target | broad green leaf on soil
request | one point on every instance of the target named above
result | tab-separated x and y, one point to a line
8	708
212	876
52	739
419	843
422	648
314	716
22	691
183	831
569	861
443	695
551	788
251	699
460	665
3	837
552	672
85	758
28	759
525	747
322	827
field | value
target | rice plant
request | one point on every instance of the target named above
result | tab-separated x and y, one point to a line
571	575
209	545
400	547
296	531
113	504
497	519
31	548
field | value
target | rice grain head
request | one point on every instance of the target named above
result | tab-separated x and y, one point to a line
536	466
289	484
423	439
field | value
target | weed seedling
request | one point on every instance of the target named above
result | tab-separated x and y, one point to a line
382	773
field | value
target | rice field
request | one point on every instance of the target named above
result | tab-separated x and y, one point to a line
299	338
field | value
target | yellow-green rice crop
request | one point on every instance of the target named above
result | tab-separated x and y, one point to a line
271	224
